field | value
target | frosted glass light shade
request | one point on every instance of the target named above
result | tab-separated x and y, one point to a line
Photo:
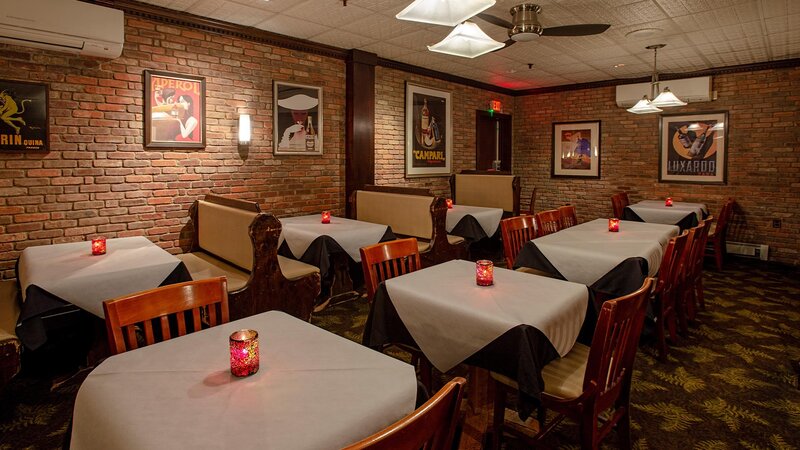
466	40
443	12
244	128
667	99
643	106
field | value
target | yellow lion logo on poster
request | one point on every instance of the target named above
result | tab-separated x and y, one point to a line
9	109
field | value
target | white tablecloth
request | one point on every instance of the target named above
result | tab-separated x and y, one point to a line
450	317
584	253
655	211
314	390
70	271
488	218
351	235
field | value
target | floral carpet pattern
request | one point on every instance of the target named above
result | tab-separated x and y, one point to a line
729	385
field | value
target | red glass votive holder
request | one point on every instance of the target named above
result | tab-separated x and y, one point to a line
244	352
449	202
484	272
668	201
99	246
326	217
613	225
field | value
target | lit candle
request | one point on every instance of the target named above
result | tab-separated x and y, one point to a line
244	352
484	272
99	246
326	217
449	203
668	202
613	225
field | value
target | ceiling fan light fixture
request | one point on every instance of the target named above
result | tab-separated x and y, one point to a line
666	99
644	106
466	40
438	12
525	22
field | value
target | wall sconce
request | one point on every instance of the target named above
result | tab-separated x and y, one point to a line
244	129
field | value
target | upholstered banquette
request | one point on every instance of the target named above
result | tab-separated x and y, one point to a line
486	189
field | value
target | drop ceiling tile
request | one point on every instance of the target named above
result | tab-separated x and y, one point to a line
335	16
291	26
677	8
775	8
343	39
640	12
203	7
386	50
240	14
382	27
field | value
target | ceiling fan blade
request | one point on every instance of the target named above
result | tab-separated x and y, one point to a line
576	30
495	20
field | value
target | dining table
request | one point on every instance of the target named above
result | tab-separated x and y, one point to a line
513	327
612	264
54	277
683	214
313	390
473	222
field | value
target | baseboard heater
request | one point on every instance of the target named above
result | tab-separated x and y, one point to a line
748	250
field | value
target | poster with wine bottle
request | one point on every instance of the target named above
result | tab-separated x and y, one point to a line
428	132
694	147
297	119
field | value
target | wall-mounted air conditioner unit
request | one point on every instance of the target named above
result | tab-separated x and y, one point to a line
63	25
689	90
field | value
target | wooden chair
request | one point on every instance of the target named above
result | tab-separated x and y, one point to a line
691	276
618	203
531	210
516	231
590	381
204	302
431	427
717	232
569	217
548	222
665	290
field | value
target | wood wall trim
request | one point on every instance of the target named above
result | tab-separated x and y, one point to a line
359	123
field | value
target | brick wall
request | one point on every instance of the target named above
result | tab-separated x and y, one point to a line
763	161
98	179
390	126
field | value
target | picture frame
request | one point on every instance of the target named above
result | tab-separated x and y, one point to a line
297	119
693	148
577	149
174	110
24	123
429	131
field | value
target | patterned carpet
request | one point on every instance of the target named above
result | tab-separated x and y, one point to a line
729	386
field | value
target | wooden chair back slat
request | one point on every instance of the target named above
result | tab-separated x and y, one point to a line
387	260
431	427
568	215
548	222
516	231
168	305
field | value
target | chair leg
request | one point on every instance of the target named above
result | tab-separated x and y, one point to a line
680	306
588	427
498	415
661	339
700	296
426	373
672	324
624	430
718	255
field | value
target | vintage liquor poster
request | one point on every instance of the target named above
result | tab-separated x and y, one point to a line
693	147
576	149
298	119
428	140
23	116
174	110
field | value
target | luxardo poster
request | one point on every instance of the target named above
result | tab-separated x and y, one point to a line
23	116
693	147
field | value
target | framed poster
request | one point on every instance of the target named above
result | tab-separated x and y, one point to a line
576	149
429	131
297	119
23	116
175	110
694	147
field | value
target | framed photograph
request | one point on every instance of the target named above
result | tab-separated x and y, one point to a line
576	149
694	148
297	119
23	116
429	130
174	110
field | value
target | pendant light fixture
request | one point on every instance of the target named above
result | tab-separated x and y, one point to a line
663	99
466	40
447	12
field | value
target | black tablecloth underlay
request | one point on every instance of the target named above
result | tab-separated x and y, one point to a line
687	222
520	353
626	277
39	303
469	228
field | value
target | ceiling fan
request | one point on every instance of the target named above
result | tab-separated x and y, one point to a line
525	25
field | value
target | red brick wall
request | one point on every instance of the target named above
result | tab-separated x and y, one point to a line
390	126
763	159
98	179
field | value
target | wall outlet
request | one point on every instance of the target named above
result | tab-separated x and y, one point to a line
776	223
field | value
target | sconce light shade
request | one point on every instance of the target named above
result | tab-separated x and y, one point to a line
244	128
467	40
440	12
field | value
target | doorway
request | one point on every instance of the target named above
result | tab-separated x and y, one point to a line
492	141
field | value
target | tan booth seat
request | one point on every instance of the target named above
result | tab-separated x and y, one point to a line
486	190
418	216
235	240
10	346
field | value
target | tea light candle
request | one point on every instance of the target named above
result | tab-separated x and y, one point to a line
99	246
613	225
449	202
484	272
326	217
668	201
244	352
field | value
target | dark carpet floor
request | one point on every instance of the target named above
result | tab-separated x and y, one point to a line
729	386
